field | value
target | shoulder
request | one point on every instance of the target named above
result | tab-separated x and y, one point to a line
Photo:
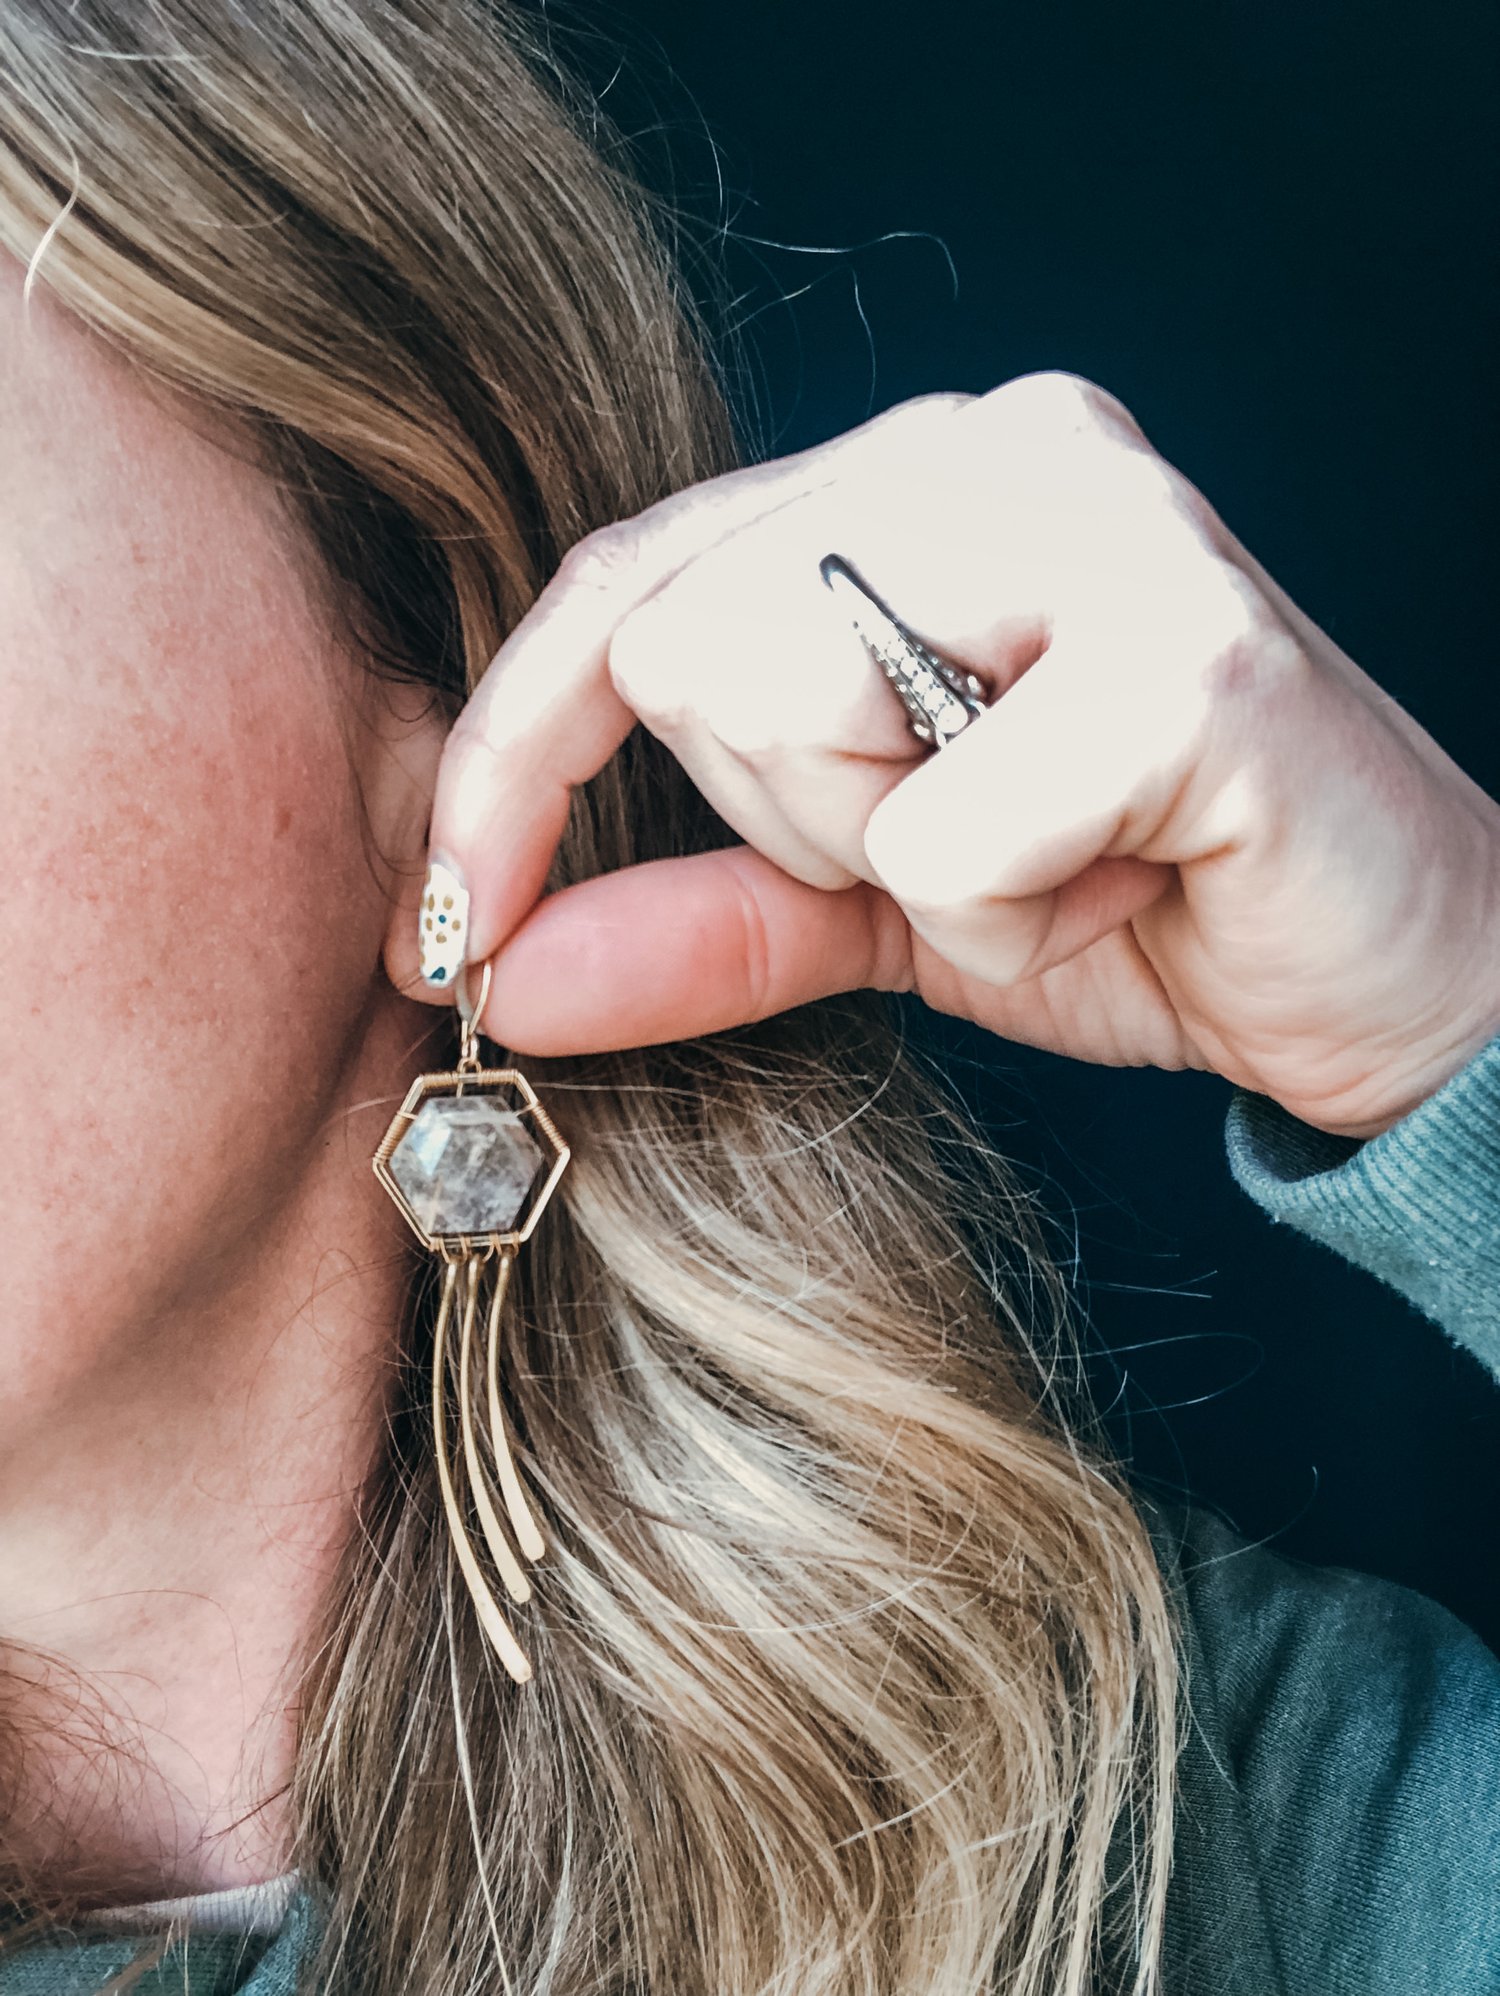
1343	1739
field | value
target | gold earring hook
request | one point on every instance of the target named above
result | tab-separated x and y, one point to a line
470	1015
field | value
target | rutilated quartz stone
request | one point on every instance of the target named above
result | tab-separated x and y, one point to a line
466	1165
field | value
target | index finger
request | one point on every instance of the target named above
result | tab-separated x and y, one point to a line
546	717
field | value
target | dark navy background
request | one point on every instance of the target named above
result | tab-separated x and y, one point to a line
1268	228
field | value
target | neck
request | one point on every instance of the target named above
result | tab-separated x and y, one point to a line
173	1525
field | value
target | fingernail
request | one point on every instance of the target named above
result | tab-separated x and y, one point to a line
443	925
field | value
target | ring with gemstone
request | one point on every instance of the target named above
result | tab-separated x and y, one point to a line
941	699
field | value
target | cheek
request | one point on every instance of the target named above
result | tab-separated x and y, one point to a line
180	875
176	865
188	930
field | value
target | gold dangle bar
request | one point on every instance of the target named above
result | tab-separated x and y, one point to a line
523	1522
516	1584
486	1606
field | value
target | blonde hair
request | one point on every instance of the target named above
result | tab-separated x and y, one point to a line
855	1675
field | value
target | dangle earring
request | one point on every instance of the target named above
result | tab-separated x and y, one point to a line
471	1159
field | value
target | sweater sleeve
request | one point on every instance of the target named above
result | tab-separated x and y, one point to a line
1417	1206
1337	1830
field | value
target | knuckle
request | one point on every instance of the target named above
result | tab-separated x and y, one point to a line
1212	637
597	562
934	406
751	722
1142	478
1246	649
1048	395
1057	402
913	428
1190	505
753	738
642	669
1224	605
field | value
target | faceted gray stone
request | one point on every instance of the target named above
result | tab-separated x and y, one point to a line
466	1165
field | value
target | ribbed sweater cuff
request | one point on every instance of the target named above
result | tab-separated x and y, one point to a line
1417	1206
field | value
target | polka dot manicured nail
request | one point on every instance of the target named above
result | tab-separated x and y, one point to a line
443	924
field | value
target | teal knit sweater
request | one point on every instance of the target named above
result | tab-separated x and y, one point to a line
1338	1826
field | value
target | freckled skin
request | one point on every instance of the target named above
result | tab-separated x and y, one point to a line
200	1272
186	912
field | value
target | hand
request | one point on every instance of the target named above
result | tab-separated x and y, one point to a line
1191	833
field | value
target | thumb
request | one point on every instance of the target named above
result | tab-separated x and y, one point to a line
678	947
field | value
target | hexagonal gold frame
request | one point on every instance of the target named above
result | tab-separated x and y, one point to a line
488	1080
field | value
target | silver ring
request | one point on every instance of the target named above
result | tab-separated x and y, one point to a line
940	698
